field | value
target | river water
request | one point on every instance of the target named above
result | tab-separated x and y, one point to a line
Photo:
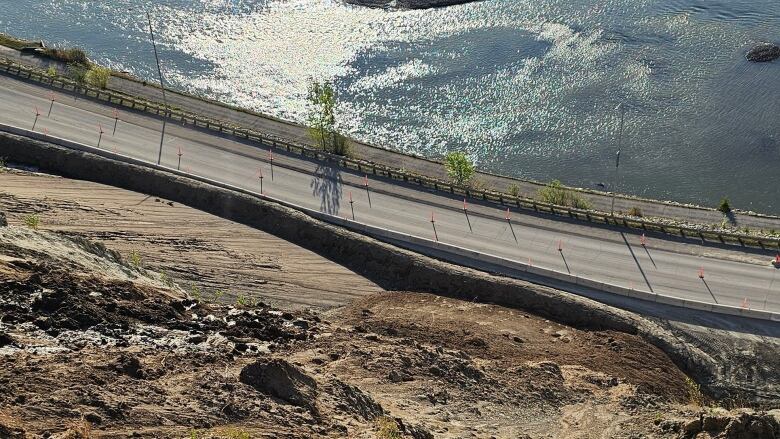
527	88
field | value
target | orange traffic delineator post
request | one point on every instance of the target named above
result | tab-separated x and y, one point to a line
508	219
100	135
368	194
37	115
51	98
701	272
271	159
643	240
560	245
466	212
433	224
745	304
116	120
180	153
352	205
260	176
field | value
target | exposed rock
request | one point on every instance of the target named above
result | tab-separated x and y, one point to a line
763	52
5	339
3	220
281	379
128	365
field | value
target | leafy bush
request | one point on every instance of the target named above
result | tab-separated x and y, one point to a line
51	71
724	207
97	76
459	168
556	193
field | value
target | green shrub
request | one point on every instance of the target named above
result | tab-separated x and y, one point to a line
135	259
514	190
32	221
51	71
459	168
695	396
97	76
78	72
387	428
724	207
556	193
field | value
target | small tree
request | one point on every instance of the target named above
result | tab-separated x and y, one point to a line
459	168
724	207
322	119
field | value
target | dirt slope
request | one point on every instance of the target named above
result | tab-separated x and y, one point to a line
194	248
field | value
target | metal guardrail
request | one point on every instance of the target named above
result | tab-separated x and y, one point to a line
367	167
455	253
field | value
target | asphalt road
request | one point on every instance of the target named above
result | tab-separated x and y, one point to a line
663	266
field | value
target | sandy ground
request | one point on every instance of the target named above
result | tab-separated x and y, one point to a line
203	253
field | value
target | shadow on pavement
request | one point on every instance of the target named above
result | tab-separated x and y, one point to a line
326	185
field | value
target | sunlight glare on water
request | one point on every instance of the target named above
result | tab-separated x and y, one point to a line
527	87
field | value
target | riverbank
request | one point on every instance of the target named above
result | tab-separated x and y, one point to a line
676	213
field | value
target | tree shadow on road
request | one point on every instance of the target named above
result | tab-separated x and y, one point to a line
326	185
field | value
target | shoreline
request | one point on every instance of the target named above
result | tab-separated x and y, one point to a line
764	224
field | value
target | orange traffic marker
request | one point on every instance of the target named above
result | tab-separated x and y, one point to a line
701	273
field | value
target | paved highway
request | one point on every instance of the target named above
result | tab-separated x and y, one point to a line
669	267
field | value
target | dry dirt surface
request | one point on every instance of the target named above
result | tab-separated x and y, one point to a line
93	346
207	255
129	316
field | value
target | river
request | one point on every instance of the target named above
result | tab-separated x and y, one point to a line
528	88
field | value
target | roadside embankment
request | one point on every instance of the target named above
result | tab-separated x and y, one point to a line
390	267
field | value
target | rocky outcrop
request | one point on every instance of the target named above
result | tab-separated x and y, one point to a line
764	52
3	221
407	4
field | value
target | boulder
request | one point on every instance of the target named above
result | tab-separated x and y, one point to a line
3	221
763	52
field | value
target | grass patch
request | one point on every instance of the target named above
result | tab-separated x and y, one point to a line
695	396
556	193
135	259
32	221
69	56
15	43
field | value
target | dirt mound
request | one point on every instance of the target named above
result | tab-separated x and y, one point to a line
281	379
